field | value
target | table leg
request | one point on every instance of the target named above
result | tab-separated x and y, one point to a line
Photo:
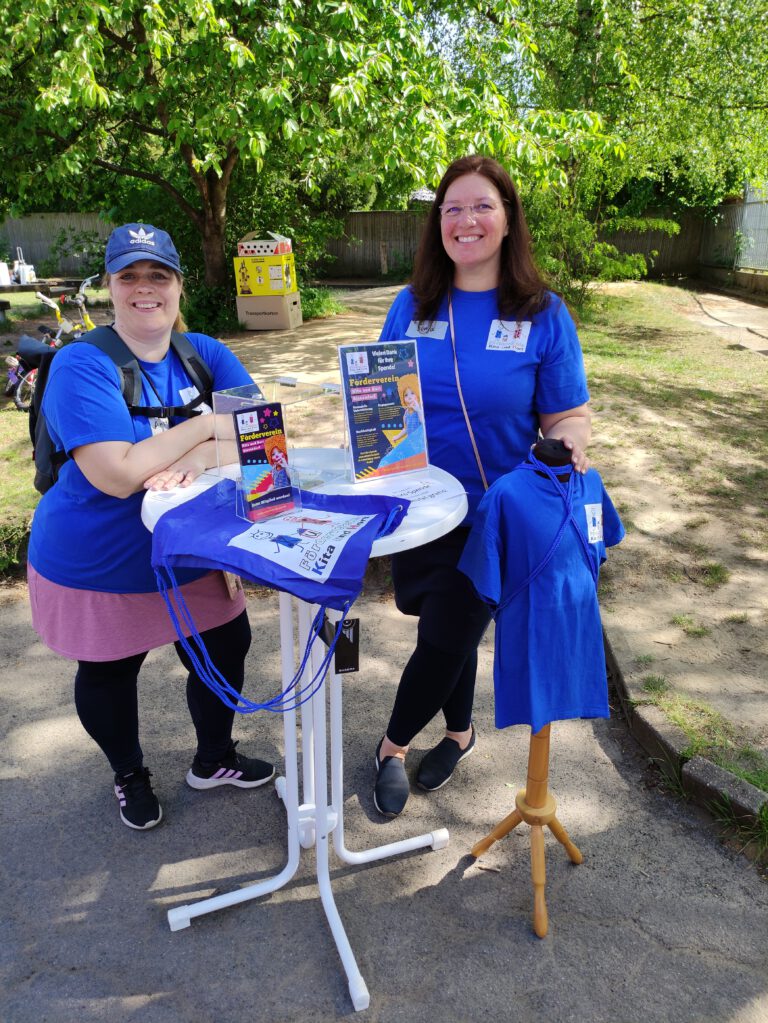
325	822
434	839
288	789
305	613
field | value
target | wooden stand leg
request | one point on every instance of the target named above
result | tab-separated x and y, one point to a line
561	835
539	877
502	828
536	806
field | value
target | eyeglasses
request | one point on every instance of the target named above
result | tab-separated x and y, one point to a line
451	210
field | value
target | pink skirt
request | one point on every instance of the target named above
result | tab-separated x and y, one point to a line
86	625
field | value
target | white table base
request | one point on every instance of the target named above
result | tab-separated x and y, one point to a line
313	820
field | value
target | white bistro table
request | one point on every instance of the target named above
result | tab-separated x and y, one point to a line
438	504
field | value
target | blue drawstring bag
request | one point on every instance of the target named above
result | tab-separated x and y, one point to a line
317	552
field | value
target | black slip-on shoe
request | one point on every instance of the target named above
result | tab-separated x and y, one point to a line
390	793
438	764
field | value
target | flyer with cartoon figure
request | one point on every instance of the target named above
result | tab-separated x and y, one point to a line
308	543
383	408
265	483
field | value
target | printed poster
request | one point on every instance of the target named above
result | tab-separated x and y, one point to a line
383	408
265	484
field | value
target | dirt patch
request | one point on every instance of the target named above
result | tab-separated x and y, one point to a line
688	588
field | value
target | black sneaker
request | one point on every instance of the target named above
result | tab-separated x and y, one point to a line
390	793
232	769
438	765
139	806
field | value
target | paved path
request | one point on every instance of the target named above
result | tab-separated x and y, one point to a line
660	924
744	323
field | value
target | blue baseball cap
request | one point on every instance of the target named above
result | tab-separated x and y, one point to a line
132	242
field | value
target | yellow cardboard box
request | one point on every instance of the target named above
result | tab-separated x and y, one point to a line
265	275
279	312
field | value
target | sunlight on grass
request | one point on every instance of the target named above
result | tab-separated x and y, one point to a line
709	734
689	626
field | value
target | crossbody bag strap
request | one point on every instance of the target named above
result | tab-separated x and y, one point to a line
461	396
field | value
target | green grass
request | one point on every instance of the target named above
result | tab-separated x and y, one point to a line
751	835
689	626
655	685
320	303
737	618
709	734
18	497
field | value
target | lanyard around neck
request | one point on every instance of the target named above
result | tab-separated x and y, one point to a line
461	395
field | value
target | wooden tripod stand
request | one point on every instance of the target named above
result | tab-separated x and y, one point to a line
536	806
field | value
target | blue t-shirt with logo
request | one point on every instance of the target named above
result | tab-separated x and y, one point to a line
82	537
549	662
510	374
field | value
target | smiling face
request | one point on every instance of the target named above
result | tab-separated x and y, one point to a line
473	242
410	398
277	458
145	296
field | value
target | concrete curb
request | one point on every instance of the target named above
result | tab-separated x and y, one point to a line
706	784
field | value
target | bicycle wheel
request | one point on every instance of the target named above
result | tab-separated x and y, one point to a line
22	399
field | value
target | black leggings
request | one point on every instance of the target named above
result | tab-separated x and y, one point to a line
106	698
440	675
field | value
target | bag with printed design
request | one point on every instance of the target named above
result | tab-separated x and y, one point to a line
317	552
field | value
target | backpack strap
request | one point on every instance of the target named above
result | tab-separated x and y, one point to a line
109	341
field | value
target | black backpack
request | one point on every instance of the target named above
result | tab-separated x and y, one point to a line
48	460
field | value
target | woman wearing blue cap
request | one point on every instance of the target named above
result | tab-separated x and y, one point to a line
92	588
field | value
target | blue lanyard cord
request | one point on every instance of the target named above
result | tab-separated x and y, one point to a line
215	681
566	492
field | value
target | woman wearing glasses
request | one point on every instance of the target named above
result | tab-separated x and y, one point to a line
500	362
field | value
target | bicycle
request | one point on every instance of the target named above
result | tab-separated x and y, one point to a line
23	366
65	327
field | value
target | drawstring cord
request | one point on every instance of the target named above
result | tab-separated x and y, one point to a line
215	681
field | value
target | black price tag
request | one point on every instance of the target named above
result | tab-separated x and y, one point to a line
346	656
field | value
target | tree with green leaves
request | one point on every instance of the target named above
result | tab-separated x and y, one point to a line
679	85
181	94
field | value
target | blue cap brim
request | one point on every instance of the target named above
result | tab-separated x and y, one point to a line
135	256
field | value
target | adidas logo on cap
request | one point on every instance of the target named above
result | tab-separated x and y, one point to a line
142	237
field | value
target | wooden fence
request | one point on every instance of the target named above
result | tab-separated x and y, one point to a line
37	233
375	243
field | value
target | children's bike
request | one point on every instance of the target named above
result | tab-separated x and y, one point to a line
23	366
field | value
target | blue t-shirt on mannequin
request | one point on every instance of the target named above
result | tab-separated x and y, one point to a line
510	374
549	660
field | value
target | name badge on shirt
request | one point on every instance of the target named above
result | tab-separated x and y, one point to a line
594	513
158	425
188	394
508	336
425	328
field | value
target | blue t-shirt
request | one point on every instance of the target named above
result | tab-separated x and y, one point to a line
549	661
510	374
82	537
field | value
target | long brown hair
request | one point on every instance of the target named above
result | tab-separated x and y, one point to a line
522	291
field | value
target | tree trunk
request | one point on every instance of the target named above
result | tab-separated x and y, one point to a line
214	230
214	256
